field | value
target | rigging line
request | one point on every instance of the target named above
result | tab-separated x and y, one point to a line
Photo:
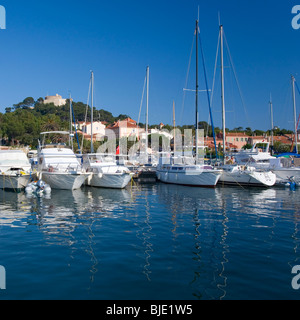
86	110
76	133
142	99
215	71
214	78
236	79
208	95
186	80
287	100
297	87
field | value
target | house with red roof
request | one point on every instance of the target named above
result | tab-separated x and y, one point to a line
124	129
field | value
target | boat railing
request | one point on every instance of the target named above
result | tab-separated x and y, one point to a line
66	168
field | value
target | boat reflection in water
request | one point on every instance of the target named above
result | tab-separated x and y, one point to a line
152	241
200	232
14	209
63	211
209	229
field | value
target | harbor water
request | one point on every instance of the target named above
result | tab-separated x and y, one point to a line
151	242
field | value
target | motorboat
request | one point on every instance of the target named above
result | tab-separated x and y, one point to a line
105	172
282	167
246	176
15	170
58	165
258	157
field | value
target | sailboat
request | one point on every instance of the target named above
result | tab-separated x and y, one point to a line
239	174
198	175
103	168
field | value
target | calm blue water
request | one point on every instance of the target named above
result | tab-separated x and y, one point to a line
158	242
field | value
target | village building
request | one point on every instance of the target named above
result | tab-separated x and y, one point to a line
98	129
237	139
124	129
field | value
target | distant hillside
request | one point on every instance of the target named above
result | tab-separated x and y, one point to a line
22	123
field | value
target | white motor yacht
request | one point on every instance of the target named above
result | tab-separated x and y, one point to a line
58	165
105	172
283	168
246	176
15	170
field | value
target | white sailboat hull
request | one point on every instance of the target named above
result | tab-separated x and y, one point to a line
206	178
64	181
106	180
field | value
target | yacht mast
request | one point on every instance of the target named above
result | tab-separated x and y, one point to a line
71	125
223	91
295	114
174	130
197	88
272	122
92	112
147	118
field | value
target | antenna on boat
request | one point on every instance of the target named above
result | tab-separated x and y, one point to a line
219	18
71	125
295	114
76	133
272	122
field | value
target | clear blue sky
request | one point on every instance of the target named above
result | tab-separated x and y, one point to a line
50	47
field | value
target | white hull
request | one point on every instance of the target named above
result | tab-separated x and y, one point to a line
64	181
254	178
106	180
203	178
284	174
12	182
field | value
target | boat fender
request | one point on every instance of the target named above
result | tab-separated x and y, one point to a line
47	189
29	189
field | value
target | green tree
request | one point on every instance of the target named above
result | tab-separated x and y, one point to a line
25	104
249	131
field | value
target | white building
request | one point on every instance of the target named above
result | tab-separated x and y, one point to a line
98	128
124	129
